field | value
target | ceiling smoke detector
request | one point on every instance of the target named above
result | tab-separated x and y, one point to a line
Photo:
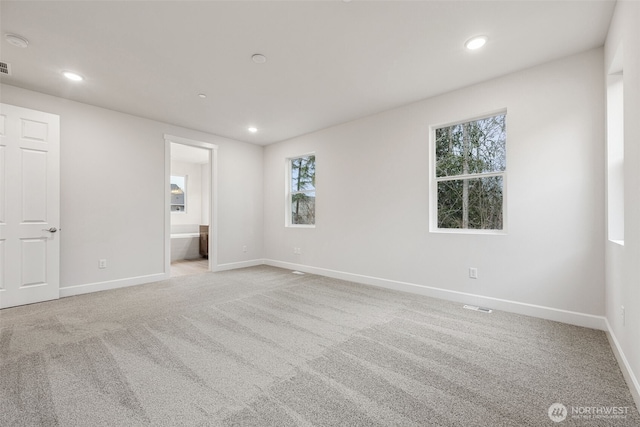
259	58
16	40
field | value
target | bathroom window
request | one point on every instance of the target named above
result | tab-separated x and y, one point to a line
178	194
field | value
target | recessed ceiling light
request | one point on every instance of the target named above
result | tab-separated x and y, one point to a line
16	40
73	76
259	58
253	129
476	42
202	95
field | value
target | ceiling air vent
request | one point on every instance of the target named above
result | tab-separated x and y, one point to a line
5	68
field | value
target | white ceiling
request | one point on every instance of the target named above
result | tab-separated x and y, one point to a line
328	61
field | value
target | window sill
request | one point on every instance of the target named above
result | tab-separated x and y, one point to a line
300	226
468	231
617	242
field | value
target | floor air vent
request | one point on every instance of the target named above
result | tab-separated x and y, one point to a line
5	68
298	272
476	308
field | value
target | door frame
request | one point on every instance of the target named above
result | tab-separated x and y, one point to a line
213	199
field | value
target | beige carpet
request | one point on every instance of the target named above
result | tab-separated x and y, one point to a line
265	347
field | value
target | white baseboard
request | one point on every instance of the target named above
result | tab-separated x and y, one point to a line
240	264
111	284
564	316
132	281
627	372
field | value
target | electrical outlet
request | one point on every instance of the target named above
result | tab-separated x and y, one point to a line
297	251
473	273
244	249
102	263
622	313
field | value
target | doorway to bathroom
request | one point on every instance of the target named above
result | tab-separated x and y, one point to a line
190	179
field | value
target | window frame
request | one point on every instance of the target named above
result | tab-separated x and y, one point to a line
289	193
185	192
434	180
615	182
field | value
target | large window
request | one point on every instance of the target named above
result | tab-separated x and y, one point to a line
469	174
301	200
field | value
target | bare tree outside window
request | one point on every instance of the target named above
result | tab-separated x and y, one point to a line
302	192
470	172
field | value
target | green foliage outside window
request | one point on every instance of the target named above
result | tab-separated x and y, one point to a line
470	168
303	190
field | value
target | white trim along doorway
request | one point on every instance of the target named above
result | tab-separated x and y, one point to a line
213	199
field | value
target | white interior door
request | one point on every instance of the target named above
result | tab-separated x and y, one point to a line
29	206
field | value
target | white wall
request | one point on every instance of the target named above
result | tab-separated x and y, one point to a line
205	175
193	213
113	192
623	262
373	195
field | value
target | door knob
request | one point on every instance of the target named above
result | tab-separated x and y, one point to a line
50	230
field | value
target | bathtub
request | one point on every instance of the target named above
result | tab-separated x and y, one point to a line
185	244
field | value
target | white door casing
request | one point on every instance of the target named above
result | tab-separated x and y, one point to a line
213	198
29	206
